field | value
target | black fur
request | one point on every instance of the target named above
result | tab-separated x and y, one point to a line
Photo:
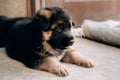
5	25
23	37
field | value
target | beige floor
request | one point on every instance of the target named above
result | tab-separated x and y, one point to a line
106	59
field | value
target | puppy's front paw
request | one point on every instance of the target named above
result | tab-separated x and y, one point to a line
73	56
60	70
85	63
53	66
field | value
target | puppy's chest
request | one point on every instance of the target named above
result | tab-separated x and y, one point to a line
46	50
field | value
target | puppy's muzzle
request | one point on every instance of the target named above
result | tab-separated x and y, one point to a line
71	40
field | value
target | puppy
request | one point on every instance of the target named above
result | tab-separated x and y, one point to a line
42	41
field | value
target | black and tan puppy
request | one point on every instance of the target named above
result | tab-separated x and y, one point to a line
42	41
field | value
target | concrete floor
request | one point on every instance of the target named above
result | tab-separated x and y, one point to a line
106	59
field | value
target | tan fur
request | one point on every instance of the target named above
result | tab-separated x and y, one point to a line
46	13
46	35
48	48
60	21
54	25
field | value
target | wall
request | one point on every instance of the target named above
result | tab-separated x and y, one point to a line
13	8
52	3
95	10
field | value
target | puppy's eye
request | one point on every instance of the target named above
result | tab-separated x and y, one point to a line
58	29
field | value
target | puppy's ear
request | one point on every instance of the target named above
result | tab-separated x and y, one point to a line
45	13
42	18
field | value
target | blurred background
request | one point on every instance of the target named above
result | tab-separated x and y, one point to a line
79	9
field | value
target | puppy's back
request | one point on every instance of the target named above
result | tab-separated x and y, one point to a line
5	24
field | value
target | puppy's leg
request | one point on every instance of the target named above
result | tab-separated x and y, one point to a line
52	65
73	56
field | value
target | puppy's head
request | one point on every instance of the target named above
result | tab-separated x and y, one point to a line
55	25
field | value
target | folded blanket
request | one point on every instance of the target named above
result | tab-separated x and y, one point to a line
106	31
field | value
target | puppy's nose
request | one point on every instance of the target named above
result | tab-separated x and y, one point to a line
70	37
71	42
